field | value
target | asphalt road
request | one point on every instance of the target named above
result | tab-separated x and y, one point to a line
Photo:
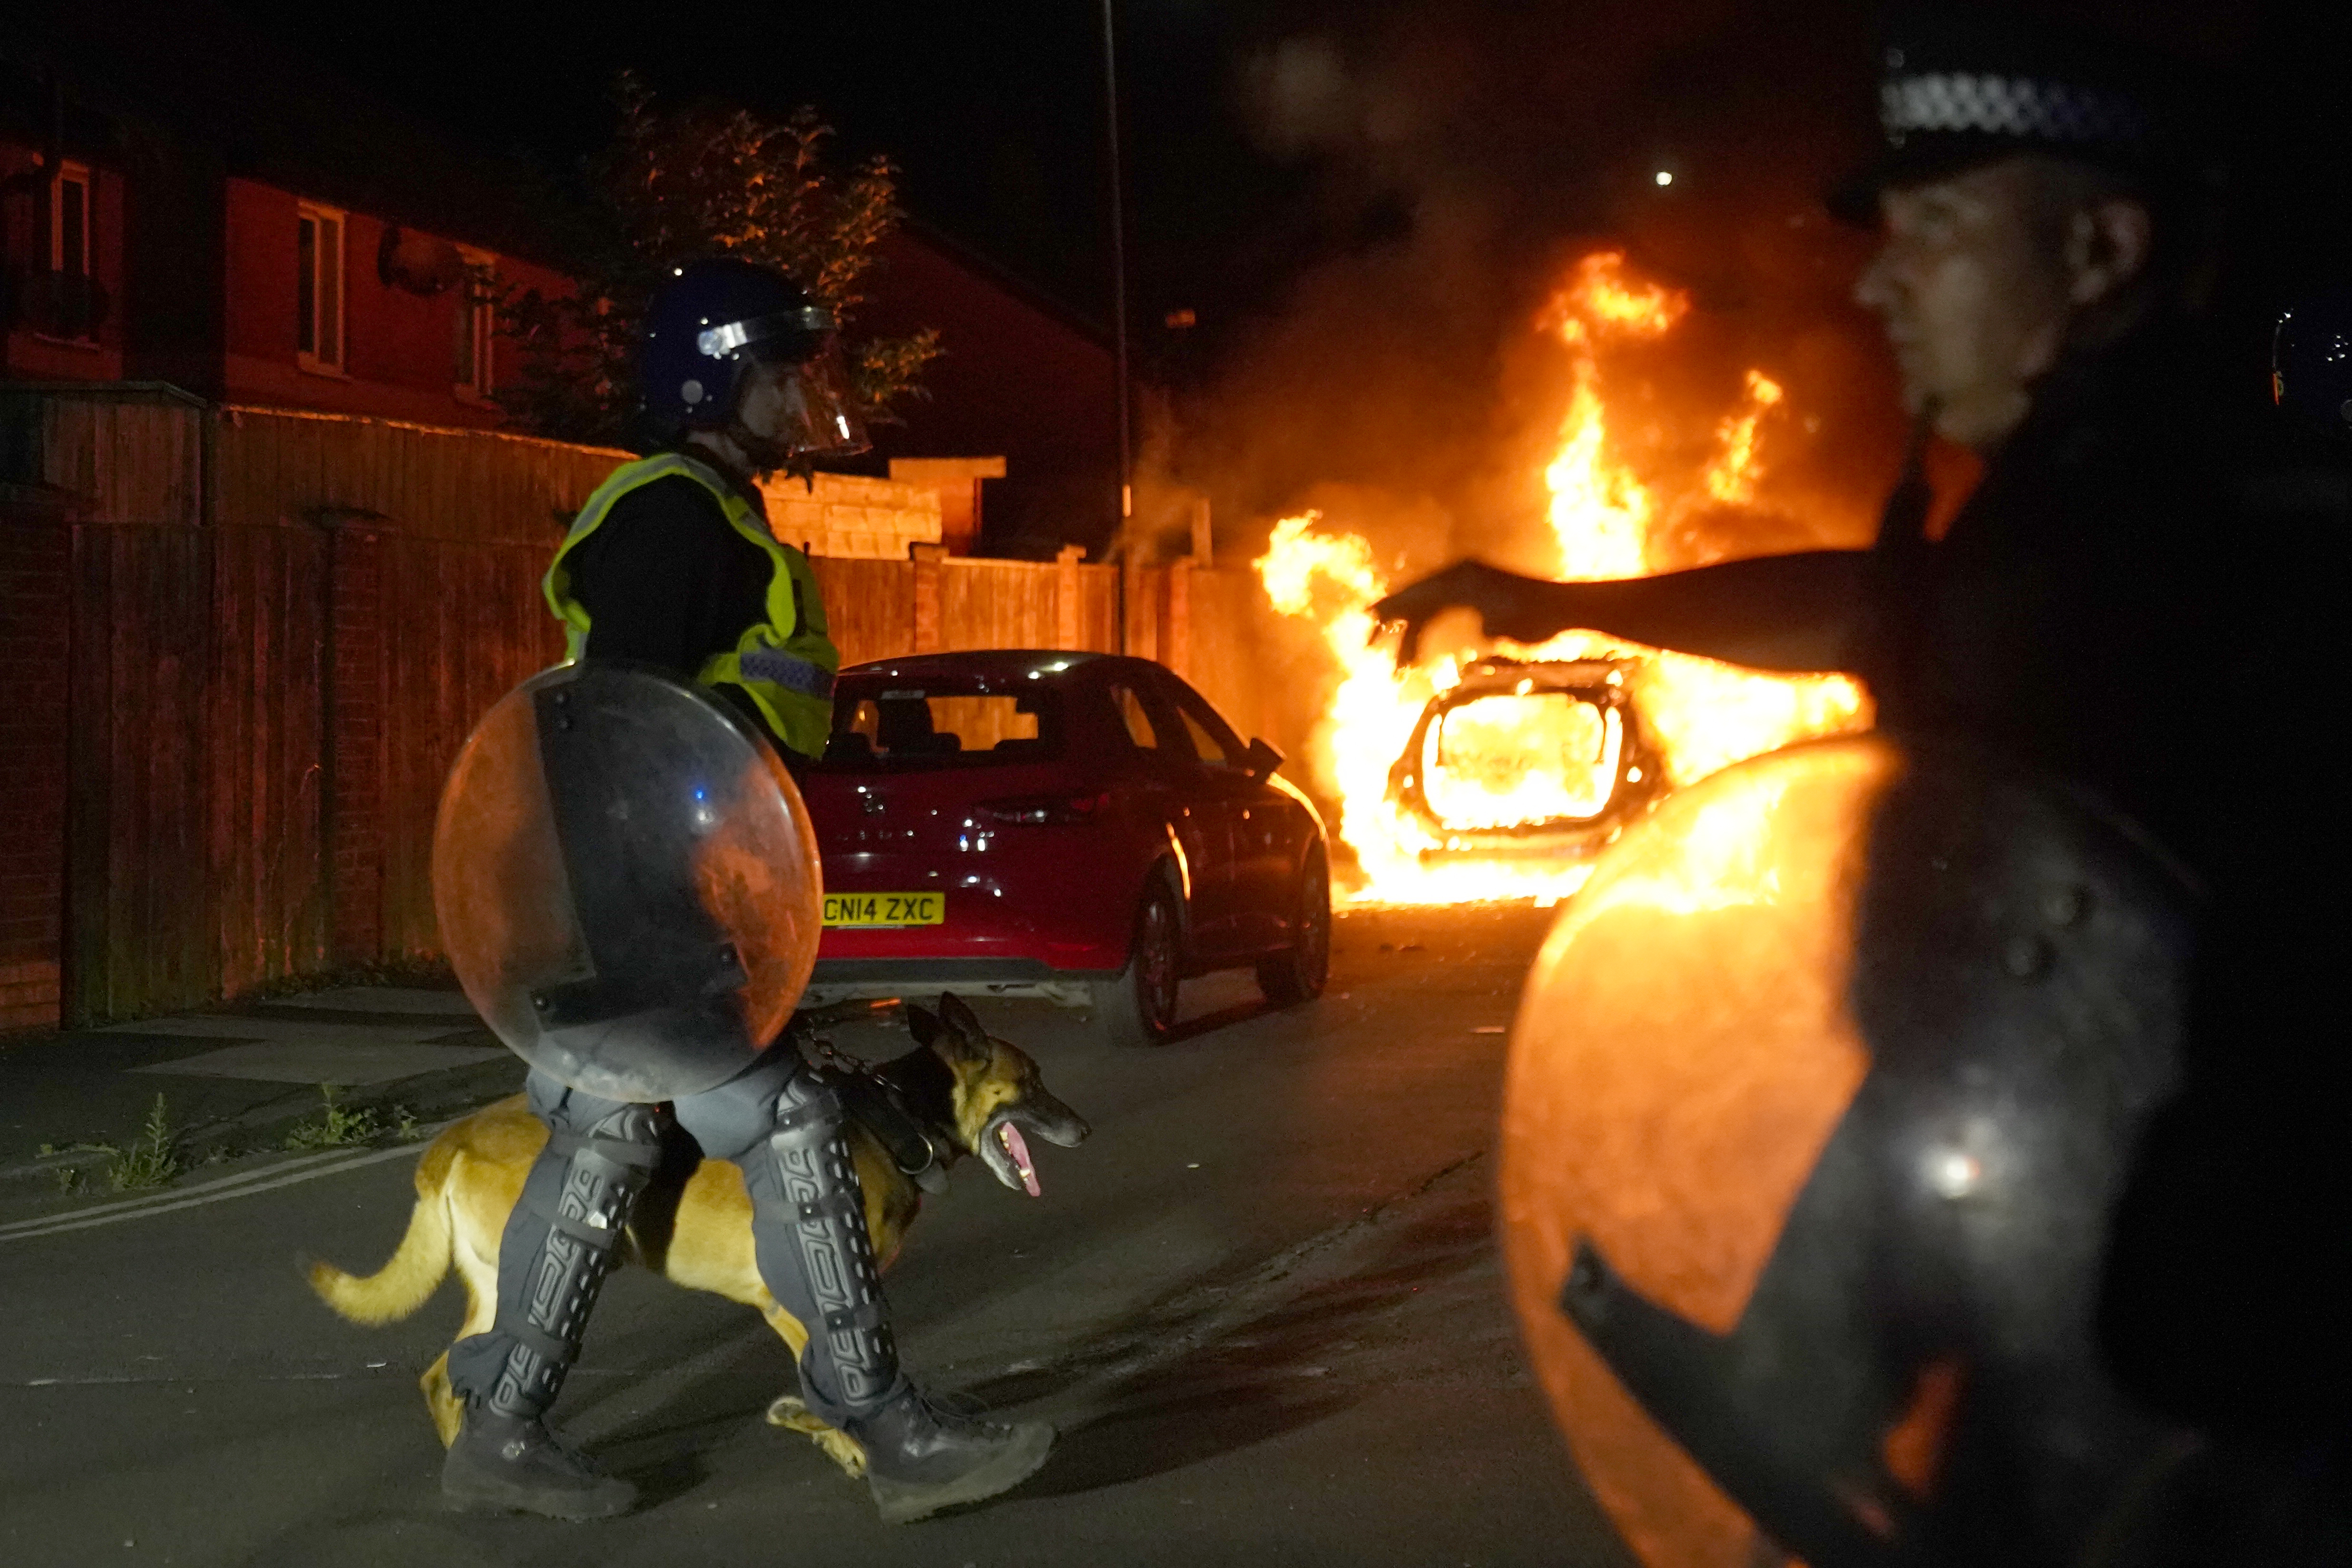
1262	1303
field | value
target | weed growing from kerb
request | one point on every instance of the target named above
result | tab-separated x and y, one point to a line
153	1159
337	1127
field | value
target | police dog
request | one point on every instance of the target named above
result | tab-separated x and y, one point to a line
969	1092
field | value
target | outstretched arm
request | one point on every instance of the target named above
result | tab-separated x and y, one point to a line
1772	612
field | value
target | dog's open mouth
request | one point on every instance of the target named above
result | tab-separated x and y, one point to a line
1017	1151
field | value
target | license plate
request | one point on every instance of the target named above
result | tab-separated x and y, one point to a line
884	908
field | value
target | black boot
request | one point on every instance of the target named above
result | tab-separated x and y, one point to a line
558	1244
921	1459
808	1229
514	1462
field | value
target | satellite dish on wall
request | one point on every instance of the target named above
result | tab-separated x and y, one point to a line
422	264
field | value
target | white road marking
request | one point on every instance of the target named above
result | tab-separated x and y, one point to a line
347	1062
293	1173
290	1031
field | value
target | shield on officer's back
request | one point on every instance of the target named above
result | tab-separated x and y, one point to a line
626	881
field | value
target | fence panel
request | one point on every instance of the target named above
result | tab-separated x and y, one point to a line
267	750
474	486
999	603
462	624
869	606
139	896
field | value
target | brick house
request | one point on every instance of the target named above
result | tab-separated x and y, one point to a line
214	211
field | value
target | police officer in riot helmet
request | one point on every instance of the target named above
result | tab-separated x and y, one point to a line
671	566
2142	596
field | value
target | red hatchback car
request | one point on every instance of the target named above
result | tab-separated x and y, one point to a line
1071	826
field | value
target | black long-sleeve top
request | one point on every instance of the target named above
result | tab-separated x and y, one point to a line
668	583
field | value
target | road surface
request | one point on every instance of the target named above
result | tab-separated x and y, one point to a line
1262	1303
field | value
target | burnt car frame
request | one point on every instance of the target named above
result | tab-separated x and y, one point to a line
1583	707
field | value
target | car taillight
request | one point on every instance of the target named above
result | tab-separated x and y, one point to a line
1047	810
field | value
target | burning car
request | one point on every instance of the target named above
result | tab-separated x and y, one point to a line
1540	757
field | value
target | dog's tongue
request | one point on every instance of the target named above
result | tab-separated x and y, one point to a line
1016	1147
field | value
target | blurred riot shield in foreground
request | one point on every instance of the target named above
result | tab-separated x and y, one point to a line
626	881
1819	1098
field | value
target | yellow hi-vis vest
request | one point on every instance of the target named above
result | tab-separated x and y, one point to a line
786	662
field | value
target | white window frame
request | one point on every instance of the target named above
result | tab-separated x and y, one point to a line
76	175
330	307
477	316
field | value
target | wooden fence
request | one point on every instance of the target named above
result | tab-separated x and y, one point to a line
249	642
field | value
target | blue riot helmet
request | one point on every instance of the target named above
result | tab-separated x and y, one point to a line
710	321
2311	362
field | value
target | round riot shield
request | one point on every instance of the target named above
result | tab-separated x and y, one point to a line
626	881
1820	1094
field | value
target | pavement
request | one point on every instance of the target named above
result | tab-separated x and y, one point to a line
1262	1304
235	1083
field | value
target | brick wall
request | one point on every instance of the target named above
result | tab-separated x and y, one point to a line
355	760
36	567
852	518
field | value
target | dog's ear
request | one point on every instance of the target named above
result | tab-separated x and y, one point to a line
923	1024
958	1015
961	1038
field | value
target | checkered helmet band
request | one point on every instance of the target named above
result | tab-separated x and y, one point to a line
2006	106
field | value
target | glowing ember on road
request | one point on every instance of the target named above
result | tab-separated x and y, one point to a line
1697	716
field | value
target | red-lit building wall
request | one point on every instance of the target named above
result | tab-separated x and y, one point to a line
399	346
31	356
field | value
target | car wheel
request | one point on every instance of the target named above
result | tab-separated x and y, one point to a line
1298	973
1138	1008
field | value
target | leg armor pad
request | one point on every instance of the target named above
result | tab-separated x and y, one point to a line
560	1241
808	1224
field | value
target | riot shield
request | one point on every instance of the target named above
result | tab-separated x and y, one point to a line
1820	1096
626	881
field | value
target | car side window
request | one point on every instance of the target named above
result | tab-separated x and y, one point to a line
1204	745
1135	716
1211	741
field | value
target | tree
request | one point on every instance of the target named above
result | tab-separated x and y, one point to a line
679	183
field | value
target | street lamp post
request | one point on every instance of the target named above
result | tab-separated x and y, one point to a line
1118	272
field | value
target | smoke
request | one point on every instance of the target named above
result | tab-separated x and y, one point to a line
1461	159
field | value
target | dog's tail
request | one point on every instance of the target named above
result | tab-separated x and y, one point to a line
408	1280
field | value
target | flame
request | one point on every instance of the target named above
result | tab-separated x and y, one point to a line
1598	510
1731	478
1700	715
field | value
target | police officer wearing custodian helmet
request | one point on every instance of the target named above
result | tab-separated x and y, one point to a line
671	566
2133	1355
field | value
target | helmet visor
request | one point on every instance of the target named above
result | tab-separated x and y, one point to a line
816	416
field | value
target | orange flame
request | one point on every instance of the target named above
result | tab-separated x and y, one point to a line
1731	478
1700	715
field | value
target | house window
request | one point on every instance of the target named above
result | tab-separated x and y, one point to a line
318	289
477	320
69	221
63	302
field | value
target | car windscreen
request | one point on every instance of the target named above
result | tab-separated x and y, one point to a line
893	725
